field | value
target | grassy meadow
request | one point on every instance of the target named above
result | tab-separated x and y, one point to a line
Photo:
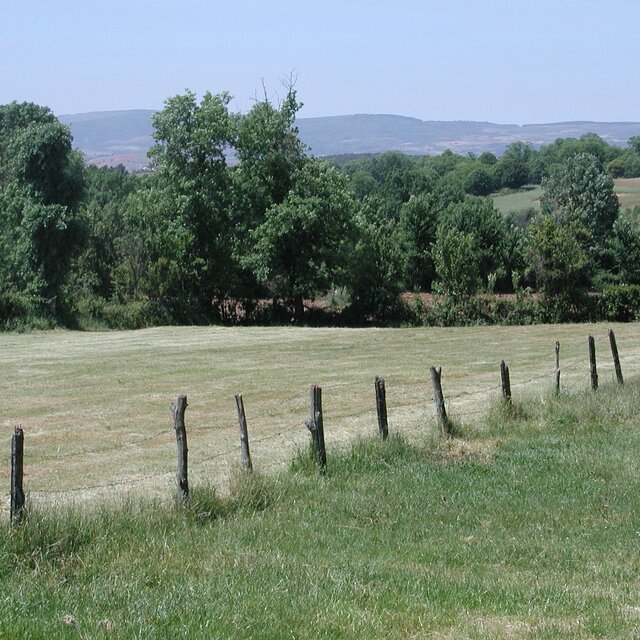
95	407
524	526
627	190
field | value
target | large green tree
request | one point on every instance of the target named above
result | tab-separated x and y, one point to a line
40	188
305	243
193	182
558	261
477	218
270	154
579	192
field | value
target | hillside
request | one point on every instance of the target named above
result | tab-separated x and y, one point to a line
124	137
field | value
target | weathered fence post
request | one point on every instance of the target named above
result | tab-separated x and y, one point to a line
616	357
244	436
438	399
592	364
381	407
506	382
17	472
316	426
182	480
556	369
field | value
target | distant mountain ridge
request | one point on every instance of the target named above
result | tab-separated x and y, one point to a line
124	137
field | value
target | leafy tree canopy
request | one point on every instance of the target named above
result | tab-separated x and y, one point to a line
580	193
304	244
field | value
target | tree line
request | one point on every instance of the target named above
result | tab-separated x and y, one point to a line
237	222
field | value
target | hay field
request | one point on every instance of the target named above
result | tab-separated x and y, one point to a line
95	407
627	190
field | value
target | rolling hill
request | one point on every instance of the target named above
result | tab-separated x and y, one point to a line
124	137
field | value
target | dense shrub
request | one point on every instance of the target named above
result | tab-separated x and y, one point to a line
620	303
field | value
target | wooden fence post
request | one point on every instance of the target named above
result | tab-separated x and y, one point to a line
17	472
592	364
182	480
315	425
616	357
244	436
381	407
556	369
506	382
438	399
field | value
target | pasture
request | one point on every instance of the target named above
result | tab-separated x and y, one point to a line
627	190
525	526
95	407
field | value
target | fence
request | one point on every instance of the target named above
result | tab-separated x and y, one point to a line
464	404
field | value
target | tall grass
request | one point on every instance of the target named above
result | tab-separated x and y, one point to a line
525	527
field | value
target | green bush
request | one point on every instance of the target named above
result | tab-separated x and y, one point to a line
94	312
14	306
19	312
620	303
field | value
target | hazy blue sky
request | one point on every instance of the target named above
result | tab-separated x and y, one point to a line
497	60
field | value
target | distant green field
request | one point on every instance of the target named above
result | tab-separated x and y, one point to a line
627	190
518	200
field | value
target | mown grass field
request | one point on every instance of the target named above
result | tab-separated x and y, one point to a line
95	406
627	190
520	200
525	526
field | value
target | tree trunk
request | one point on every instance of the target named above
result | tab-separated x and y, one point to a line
298	308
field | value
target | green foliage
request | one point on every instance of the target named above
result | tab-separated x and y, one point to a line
580	193
376	265
485	231
103	212
270	155
558	259
17	310
624	244
514	166
40	186
202	240
304	244
481	309
194	195
455	255
418	225
621	303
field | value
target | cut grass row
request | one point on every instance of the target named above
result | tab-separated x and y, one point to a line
527	527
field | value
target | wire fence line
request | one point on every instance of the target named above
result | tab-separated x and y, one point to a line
333	418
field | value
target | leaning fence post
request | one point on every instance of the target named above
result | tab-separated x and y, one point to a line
381	407
616	357
592	364
182	480
315	425
556	369
438	399
506	382
244	436
17	472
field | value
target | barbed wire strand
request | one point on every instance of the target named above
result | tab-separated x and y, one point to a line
56	456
